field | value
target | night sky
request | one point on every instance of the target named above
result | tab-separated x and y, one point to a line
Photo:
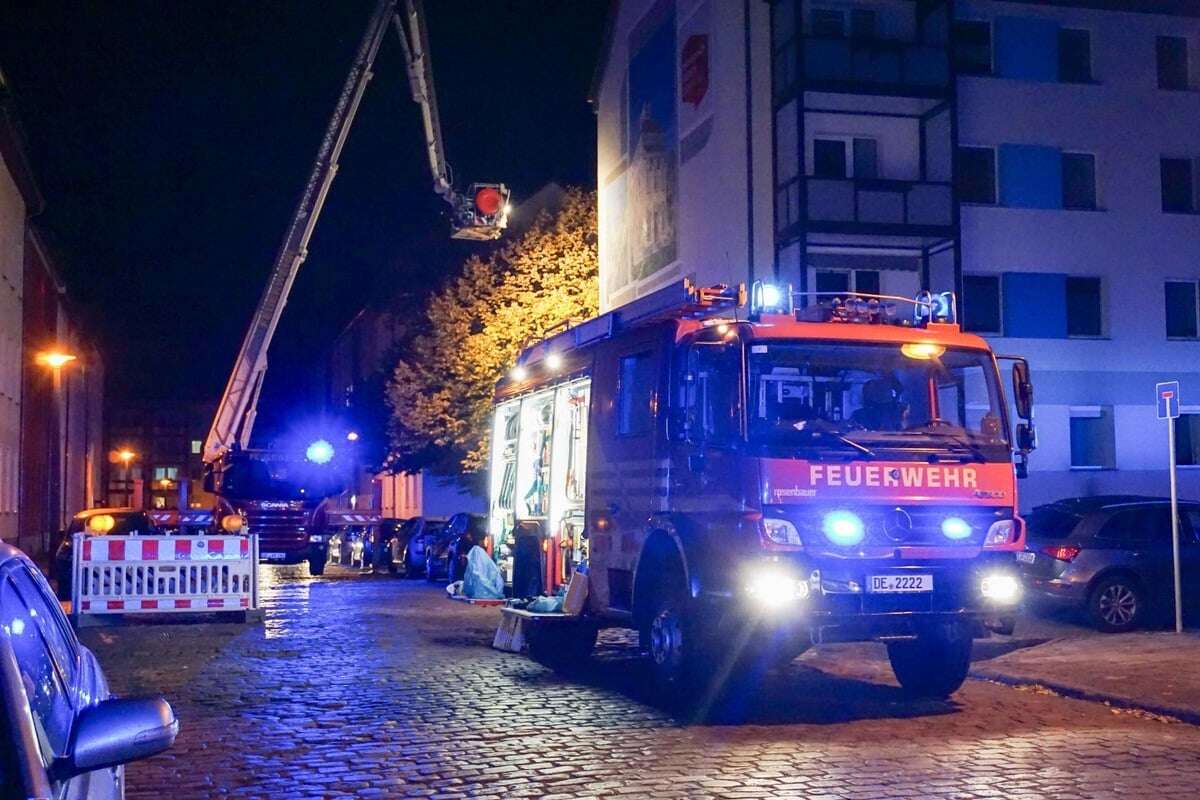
171	141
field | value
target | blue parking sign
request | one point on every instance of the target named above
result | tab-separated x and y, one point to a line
1168	399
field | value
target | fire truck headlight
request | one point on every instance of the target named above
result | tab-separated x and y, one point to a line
1001	587
773	588
1002	532
955	528
843	528
781	531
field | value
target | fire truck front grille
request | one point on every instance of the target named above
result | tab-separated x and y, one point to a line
277	528
907	525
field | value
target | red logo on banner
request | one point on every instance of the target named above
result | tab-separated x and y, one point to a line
693	69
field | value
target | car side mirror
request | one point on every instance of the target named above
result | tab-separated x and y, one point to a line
1022	389
117	731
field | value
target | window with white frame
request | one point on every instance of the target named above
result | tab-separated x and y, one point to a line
977	174
1182	309
1093	438
982	311
836	156
1187	438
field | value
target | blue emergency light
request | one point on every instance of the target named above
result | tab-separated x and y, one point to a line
319	452
767	298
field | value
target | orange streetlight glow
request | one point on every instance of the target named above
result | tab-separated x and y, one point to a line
54	359
125	456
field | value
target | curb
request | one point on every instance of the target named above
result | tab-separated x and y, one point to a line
1190	716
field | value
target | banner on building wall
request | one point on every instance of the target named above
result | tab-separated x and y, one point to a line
639	202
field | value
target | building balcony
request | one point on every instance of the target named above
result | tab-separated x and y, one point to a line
874	66
869	206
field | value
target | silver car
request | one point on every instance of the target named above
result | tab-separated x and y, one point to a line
1110	556
62	734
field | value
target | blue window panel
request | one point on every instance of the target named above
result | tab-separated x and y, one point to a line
1035	305
1026	48
1030	176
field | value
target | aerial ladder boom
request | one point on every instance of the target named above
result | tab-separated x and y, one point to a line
234	419
482	215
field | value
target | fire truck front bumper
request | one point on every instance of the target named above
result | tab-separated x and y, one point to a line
849	600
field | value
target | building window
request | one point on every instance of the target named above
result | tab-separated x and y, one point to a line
1183	312
838	281
1172	52
981	304
1178	185
1084	307
828	23
1093	440
635	392
197	445
845	157
862	23
973	47
977	175
1079	180
1074	56
166	473
1187	440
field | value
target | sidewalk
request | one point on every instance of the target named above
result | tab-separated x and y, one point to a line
1155	672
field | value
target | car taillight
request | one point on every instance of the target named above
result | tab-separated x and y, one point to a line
1062	552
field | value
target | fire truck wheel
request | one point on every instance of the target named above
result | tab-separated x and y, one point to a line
678	657
934	665
562	646
316	566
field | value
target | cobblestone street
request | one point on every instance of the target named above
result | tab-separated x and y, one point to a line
372	686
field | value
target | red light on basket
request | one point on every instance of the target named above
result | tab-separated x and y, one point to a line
488	201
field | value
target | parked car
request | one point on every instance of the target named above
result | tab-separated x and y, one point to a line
57	709
395	535
98	522
413	552
1111	557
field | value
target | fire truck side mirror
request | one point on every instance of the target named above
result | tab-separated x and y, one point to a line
1026	437
1022	389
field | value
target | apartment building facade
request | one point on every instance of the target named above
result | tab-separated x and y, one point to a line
1041	159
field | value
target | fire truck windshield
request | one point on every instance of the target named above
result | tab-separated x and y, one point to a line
856	398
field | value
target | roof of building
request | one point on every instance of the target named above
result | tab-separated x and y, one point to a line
14	151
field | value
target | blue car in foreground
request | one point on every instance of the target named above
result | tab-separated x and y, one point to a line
62	733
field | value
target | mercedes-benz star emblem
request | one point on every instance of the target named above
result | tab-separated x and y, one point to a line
897	524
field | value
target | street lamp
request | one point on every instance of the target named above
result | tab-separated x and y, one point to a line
55	360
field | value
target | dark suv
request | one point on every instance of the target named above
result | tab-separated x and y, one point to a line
1111	556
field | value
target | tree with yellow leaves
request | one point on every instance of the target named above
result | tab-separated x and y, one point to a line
440	392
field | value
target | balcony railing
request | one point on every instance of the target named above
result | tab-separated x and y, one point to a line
873	204
876	64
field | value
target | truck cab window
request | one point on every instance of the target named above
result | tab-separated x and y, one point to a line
709	393
801	394
635	392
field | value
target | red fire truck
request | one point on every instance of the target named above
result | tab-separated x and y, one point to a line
746	480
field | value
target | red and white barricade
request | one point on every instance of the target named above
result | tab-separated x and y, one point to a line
163	574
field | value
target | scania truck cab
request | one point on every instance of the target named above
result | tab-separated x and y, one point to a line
749	479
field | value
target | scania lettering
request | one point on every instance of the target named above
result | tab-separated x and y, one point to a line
800	470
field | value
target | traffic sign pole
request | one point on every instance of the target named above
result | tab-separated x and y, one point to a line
1175	527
